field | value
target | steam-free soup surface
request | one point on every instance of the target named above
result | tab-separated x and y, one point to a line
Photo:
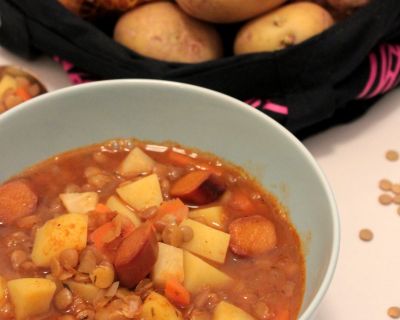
133	230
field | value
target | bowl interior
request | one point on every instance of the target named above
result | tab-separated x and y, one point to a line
192	116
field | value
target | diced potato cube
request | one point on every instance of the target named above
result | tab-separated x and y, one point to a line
68	231
142	194
3	290
31	296
87	291
7	82
207	242
169	264
225	310
115	204
157	307
135	163
212	216
80	202
199	274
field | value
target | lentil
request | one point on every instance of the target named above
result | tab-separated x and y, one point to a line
385	199
392	155
366	235
63	299
394	312
385	184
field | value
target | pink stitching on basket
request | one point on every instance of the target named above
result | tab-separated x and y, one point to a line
268	105
389	64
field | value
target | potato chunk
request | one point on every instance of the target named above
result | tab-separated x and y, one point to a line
169	264
115	204
212	216
135	163
225	310
31	296
86	291
68	231
207	242
79	202
157	307
199	274
142	194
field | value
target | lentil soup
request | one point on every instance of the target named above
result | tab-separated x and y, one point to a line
133	230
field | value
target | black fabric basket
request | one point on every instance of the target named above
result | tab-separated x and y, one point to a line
330	78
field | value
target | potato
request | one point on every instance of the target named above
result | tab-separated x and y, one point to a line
135	163
169	264
157	307
80	202
343	5
31	296
284	27
212	216
115	204
200	274
225	310
7	82
161	30
227	11
87	291
207	242
68	231
142	194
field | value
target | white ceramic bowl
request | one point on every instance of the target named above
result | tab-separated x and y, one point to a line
193	116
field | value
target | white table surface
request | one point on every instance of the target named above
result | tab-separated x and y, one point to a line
352	156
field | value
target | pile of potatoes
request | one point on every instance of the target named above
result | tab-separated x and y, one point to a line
186	31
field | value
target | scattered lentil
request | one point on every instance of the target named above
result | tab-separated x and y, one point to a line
394	312
366	235
392	155
396	199
385	185
385	199
396	188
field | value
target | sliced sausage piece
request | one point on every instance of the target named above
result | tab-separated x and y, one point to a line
198	187
17	200
136	255
251	236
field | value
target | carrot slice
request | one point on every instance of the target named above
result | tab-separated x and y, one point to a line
101	234
282	315
23	93
17	200
173	207
198	187
102	208
179	159
177	293
251	236
189	183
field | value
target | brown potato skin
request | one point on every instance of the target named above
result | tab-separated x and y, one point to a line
227	11
343	5
136	255
283	27
162	31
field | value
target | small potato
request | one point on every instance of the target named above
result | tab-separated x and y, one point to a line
227	11
282	28
343	5
161	30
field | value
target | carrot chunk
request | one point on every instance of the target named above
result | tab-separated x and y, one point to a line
17	200
177	293
173	207
23	93
251	236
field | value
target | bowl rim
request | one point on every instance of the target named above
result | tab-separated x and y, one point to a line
234	103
